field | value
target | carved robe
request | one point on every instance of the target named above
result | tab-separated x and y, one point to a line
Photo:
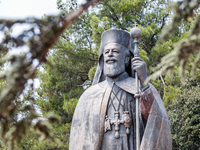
87	130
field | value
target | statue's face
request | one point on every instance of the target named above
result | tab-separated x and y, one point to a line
114	59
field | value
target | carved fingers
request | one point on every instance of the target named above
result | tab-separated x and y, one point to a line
139	66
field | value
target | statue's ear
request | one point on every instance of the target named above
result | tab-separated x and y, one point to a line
127	57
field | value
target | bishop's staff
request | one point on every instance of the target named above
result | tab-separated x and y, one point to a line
136	34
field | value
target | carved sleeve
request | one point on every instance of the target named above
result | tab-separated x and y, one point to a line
146	101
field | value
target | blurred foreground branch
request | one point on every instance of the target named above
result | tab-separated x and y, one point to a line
39	38
184	48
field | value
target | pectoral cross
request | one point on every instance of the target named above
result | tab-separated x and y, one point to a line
116	122
126	121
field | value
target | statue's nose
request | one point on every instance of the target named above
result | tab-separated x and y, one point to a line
110	53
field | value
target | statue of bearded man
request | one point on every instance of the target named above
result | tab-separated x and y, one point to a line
105	116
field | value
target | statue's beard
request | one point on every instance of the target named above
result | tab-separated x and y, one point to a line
113	69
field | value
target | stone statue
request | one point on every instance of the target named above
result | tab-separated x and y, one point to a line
105	116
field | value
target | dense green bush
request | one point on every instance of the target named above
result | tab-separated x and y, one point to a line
184	115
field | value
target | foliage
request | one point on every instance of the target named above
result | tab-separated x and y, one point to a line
159	51
63	81
69	106
63	77
170	93
72	61
91	73
59	131
37	39
185	118
143	55
85	35
184	48
19	70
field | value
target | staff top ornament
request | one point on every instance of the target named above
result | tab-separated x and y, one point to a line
136	32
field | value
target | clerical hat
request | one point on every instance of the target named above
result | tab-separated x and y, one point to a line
115	36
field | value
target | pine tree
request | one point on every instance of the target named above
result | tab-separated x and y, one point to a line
73	59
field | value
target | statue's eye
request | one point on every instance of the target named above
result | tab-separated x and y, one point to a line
106	51
115	50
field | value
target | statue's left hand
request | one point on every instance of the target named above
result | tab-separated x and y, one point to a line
140	67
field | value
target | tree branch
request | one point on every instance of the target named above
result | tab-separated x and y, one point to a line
21	69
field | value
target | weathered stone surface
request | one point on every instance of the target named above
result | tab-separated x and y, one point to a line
111	99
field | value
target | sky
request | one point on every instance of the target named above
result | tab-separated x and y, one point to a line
14	9
20	9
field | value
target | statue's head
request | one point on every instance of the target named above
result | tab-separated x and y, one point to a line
114	56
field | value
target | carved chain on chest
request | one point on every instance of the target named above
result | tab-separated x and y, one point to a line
125	120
